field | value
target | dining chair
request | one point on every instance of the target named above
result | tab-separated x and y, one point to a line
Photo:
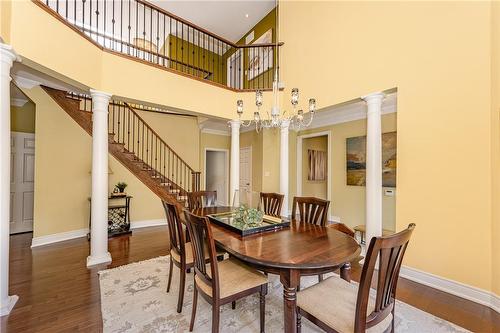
336	305
342	228
271	203
311	210
200	199
223	282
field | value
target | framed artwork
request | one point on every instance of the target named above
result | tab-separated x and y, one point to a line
356	160
317	165
260	59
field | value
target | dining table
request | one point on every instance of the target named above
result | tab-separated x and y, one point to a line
302	249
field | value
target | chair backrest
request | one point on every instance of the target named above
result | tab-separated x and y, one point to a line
390	251
175	230
271	203
200	199
311	210
342	228
203	241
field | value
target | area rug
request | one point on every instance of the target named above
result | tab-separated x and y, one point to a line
134	299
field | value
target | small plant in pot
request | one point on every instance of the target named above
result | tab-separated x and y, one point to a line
120	187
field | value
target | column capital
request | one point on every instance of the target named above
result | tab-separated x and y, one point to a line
100	95
373	97
7	58
235	123
285	124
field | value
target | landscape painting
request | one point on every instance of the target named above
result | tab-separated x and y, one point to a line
356	160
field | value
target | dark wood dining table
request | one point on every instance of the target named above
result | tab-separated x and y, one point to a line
291	252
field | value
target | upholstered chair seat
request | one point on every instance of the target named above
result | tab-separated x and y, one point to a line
338	309
234	277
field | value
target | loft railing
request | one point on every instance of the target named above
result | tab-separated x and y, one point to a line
126	127
147	32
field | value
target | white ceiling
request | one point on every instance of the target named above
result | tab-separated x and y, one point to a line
224	18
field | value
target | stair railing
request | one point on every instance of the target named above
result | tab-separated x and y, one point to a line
144	31
128	128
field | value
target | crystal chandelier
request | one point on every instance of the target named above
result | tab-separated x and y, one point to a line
296	119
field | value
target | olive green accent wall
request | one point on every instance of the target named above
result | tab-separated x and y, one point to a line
22	119
197	61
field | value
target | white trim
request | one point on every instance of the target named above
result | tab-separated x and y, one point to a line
215	132
24	82
68	235
300	138
6	308
59	237
226	157
147	223
470	293
19	102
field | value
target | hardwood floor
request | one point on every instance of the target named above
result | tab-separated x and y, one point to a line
57	293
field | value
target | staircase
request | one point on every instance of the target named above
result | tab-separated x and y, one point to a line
136	145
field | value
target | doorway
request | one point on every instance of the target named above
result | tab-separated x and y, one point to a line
314	166
216	173
22	162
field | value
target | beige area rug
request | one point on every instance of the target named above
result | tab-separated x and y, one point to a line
134	299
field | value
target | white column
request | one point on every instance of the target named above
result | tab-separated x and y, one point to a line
234	181
7	58
99	205
374	166
284	165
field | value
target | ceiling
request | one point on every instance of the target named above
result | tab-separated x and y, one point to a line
227	18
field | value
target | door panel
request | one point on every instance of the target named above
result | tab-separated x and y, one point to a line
246	175
22	186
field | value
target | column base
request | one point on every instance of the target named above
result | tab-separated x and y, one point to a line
6	308
97	260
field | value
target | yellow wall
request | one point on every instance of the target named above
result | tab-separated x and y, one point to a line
495	145
442	71
5	15
312	188
63	164
22	119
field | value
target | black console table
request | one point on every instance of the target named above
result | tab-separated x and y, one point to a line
118	215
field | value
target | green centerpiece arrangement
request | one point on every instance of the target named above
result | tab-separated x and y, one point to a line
246	217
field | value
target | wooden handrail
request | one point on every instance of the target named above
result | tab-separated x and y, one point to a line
156	134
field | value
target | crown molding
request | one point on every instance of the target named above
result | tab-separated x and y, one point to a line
215	132
23	82
19	102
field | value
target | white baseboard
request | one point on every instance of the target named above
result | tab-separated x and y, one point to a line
59	237
471	293
64	236
147	223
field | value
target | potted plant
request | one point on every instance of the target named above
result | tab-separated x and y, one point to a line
120	187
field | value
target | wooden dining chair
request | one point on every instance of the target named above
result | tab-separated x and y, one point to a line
342	228
180	254
200	199
311	210
271	203
336	305
223	282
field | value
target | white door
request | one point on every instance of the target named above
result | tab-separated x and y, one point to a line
245	174
216	174
22	178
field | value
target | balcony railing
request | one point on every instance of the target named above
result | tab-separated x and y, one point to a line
144	31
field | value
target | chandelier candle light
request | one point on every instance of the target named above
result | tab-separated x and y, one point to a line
297	118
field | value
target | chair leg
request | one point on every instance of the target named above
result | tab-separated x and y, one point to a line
182	284
170	274
299	322
262	297
393	317
215	317
233	305
193	311
320	277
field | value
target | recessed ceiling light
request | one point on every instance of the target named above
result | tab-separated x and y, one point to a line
246	15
